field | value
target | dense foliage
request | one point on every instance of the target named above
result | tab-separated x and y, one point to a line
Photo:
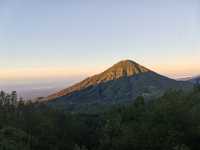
171	122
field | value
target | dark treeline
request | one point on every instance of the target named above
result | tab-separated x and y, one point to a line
171	122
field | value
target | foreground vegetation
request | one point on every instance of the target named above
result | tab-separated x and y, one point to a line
171	122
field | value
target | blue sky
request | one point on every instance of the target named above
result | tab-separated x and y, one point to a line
62	38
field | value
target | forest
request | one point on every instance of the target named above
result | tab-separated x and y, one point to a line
170	122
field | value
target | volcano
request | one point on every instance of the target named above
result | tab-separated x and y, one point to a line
121	83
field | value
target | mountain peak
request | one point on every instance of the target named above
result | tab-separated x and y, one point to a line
124	68
126	61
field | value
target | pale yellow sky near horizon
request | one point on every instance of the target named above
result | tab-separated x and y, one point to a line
171	70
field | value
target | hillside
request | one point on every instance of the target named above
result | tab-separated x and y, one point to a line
173	120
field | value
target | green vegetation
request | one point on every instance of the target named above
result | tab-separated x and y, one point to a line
171	122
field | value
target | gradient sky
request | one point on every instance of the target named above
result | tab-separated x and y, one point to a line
42	39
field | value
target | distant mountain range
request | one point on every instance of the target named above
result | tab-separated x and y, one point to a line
195	79
121	83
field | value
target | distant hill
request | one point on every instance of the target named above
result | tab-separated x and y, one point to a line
184	79
195	79
121	83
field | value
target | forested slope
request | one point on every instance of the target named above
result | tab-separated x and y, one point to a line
171	122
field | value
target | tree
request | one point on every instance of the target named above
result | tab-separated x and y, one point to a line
197	85
13	139
139	102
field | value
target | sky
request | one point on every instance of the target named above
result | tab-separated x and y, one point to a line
45	40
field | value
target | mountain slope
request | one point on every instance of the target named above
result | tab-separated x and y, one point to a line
121	83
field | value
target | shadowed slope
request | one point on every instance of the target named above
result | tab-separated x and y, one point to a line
119	91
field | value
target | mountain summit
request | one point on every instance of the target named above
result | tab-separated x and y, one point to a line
121	83
124	68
